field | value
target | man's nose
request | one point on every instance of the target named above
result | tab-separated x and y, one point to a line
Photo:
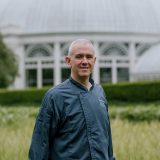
84	60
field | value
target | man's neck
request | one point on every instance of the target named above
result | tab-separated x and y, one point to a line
84	81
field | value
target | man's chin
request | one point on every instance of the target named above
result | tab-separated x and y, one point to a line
84	75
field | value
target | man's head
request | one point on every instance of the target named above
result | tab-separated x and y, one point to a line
81	58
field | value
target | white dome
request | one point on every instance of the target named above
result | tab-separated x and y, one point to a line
139	16
149	61
148	66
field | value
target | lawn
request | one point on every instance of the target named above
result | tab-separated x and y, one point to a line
132	140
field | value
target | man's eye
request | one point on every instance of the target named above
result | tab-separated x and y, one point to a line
89	57
78	57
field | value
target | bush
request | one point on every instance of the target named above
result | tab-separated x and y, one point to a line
28	96
135	113
126	92
133	92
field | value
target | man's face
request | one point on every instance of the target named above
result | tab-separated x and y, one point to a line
81	60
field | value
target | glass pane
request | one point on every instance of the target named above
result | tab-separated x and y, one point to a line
47	77
65	73
31	78
123	74
105	75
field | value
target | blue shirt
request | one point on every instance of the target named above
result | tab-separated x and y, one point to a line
72	124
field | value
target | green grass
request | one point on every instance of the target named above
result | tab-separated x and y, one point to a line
136	141
135	111
132	139
16	125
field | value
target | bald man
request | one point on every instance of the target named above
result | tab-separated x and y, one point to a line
73	121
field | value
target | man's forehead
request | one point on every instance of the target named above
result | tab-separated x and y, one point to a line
82	47
81	41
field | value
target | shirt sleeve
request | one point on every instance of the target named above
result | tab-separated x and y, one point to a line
110	148
44	130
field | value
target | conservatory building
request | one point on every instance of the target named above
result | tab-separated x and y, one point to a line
39	33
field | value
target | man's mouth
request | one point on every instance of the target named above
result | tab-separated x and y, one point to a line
83	67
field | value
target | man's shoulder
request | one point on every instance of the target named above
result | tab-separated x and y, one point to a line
58	89
98	86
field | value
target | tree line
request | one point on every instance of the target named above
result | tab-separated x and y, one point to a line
8	65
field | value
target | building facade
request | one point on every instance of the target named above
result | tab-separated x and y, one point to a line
41	36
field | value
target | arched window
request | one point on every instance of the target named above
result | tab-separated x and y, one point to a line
114	50
39	51
39	71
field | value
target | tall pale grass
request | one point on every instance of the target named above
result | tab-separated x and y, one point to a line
131	141
136	141
16	125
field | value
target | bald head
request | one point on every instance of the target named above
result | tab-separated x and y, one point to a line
79	43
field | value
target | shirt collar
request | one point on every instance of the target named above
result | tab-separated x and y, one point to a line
80	85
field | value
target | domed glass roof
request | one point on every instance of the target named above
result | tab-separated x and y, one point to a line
140	16
149	63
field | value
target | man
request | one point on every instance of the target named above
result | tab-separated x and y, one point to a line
73	122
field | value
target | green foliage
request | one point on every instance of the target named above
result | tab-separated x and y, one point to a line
136	141
16	126
8	65
135	112
131	141
28	96
11	115
129	92
133	92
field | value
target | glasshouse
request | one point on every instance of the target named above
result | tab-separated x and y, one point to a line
125	34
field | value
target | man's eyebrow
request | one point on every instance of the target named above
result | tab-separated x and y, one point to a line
85	53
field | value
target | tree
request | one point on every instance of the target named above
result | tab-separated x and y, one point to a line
8	65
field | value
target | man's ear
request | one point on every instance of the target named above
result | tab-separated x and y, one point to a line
95	60
68	60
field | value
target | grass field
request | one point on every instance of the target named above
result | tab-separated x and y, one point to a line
132	140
